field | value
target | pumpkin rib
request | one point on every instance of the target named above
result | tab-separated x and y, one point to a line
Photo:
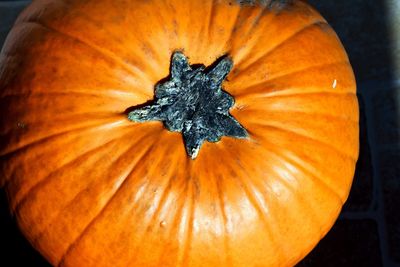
177	218
113	93
158	209
110	116
319	142
319	115
233	26
179	171
301	203
218	181
280	247
55	135
14	153
275	94
161	257
184	247
106	54
249	190
144	154
270	51
247	90
128	151
247	33
210	19
288	185
275	100
221	204
17	205
293	159
229	28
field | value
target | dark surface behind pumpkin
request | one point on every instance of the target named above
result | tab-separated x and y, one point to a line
368	231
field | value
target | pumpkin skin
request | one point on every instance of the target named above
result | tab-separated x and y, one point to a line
88	187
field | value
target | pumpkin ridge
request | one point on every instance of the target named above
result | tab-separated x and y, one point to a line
86	229
293	159
106	54
320	142
319	115
245	90
159	205
174	232
346	100
17	205
249	32
221	204
310	68
287	184
258	205
186	248
280	93
41	140
128	151
234	25
210	19
5	181
218	193
269	52
113	93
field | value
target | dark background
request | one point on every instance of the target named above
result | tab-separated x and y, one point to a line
367	233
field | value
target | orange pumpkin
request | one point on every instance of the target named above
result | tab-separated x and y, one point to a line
91	187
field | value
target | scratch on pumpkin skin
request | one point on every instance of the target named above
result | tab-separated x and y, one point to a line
270	51
74	243
334	84
129	151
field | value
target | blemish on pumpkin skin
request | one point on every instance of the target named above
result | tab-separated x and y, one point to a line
334	84
21	125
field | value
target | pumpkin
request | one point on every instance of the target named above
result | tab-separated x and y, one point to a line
175	133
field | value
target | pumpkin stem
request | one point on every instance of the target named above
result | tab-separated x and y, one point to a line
192	102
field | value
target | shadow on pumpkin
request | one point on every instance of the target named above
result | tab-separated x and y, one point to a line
14	247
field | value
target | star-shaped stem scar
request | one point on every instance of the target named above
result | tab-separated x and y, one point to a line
193	102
